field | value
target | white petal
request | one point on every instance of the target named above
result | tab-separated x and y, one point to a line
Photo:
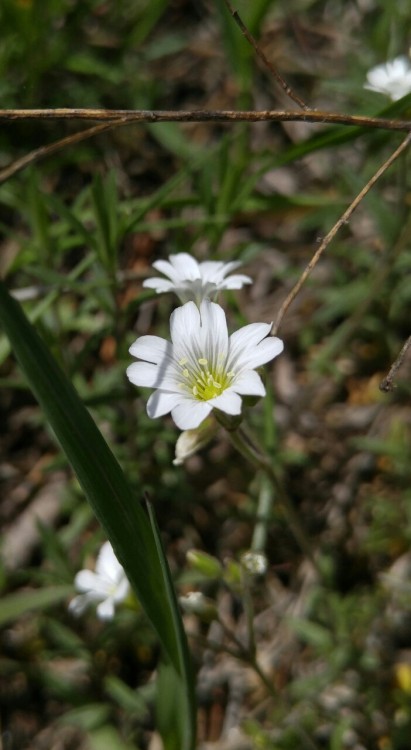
249	383
167	269
185	326
88	581
248	336
107	565
230	266
162	402
249	357
147	375
235	282
186	266
189	414
122	590
214	334
160	285
105	610
151	349
213	270
243	341
216	270
229	402
79	604
259	355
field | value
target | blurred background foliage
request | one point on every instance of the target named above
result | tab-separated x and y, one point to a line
79	231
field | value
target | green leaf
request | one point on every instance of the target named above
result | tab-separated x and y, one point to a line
88	717
169	135
16	605
181	725
134	702
107	738
312	633
105	204
126	524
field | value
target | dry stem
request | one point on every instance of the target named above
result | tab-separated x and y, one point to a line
205	115
44	151
388	383
331	234
284	85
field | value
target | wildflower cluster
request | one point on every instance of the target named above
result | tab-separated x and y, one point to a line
202	368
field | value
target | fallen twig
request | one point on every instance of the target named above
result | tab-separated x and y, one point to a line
331	234
387	384
284	85
125	116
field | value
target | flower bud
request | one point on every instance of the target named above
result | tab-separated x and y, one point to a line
191	441
196	603
255	563
204	563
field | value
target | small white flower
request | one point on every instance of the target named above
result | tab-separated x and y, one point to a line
193	281
107	585
202	368
255	563
392	78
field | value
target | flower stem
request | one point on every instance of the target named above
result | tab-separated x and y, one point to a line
241	440
265	501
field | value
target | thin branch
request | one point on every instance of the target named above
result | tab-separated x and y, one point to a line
250	39
387	384
331	234
205	115
52	148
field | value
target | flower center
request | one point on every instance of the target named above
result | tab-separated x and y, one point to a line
205	382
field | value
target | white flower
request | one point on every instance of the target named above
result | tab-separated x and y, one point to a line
108	585
193	281
392	78
202	368
255	563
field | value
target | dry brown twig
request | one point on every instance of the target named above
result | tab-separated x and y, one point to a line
344	218
111	119
133	116
44	151
259	52
387	384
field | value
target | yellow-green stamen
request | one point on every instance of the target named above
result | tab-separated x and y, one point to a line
205	382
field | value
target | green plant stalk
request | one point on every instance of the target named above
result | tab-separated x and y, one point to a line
249	612
265	502
241	654
246	446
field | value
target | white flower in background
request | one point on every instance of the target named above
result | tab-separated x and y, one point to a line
255	563
392	78
108	585
193	281
202	368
